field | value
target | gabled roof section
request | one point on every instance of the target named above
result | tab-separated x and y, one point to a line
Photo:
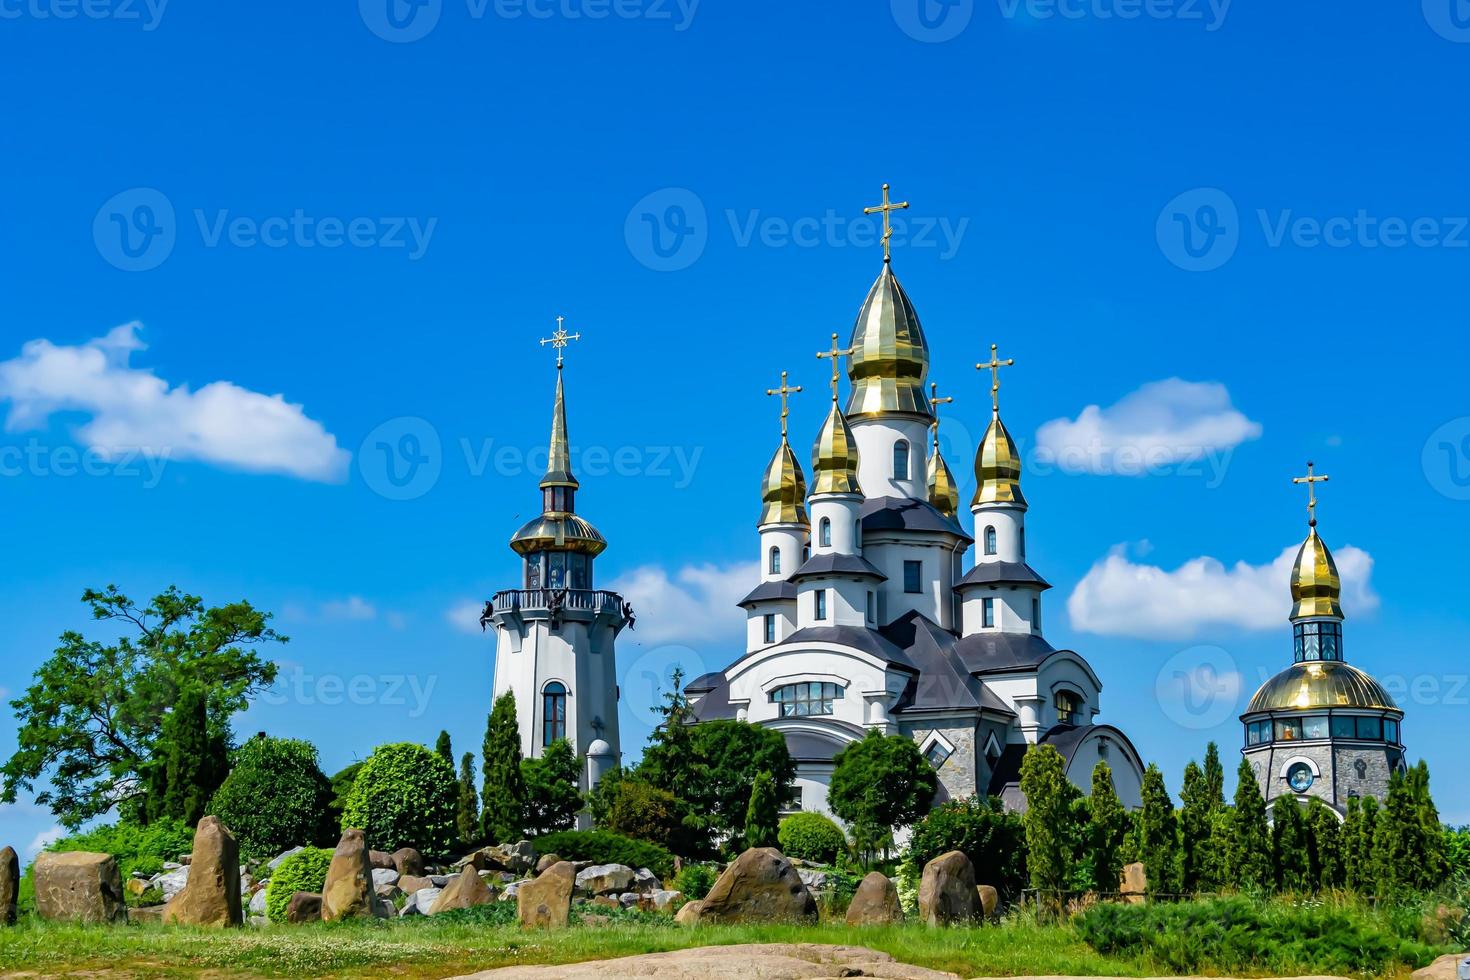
907	514
769	592
941	682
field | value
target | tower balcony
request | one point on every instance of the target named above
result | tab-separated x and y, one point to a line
514	607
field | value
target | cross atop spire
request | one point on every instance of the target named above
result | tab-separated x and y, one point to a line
560	339
885	209
934	402
837	355
784	391
994	366
1311	480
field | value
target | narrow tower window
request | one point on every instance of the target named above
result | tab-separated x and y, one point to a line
987	613
825	534
775	561
990	547
770	628
901	460
913	574
553	713
1067	705
1035	615
821	604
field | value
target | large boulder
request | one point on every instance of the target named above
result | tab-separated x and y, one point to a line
546	861
546	902
464	891
385	876
408	862
689	914
79	887
304	907
348	892
947	893
759	886
605	879
411	885
9	886
212	895
875	903
1452	967
381	859
1134	884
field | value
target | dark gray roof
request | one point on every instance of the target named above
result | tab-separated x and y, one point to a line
812	747
907	514
768	591
990	653
869	641
1006	778
704	682
939	684
1002	573
833	564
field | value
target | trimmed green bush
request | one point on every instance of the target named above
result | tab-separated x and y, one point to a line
304	871
811	837
405	796
602	847
275	797
695	880
993	840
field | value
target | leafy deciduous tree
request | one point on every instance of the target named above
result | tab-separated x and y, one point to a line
276	797
879	783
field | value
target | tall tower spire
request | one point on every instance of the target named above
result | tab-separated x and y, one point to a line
1316	588
944	493
559	453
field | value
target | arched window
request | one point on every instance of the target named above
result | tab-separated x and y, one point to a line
990	542
775	561
825	538
807	698
553	713
901	460
1067	705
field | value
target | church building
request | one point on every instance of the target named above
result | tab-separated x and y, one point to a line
866	616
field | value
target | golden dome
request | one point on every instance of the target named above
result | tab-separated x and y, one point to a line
835	456
944	493
890	358
783	489
998	468
1316	684
1316	587
558	532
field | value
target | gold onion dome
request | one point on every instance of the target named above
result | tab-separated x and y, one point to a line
1316	588
890	358
835	456
783	489
944	493
1316	684
998	468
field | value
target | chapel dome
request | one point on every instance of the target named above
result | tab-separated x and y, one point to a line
558	532
835	456
1316	588
998	468
1317	684
783	489
890	358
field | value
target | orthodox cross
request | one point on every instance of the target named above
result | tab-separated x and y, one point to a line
934	402
885	208
560	339
837	356
994	367
1311	480
784	391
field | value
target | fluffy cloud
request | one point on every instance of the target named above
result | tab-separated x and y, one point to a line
134	410
1162	424
1120	598
40	842
351	608
696	604
465	615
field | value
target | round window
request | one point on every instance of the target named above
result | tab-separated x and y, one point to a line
1299	777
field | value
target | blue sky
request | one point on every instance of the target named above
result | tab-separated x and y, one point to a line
378	222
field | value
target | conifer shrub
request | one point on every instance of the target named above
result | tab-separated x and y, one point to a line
304	871
811	837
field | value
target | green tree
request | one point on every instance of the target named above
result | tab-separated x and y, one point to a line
811	837
670	761
1213	870
1408	855
503	801
1326	833
1214	773
993	838
275	797
445	747
1248	848
1432	872
1106	830
552	797
1290	846
1359	834
405	796
467	809
634	808
1157	833
1050	841
879	783
195	763
763	815
1196	826
91	724
341	789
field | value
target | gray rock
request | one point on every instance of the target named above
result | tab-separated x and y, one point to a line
814	880
280	858
424	899
605	879
174	865
664	899
257	903
439	881
172	882
258	922
385	876
646	881
629	900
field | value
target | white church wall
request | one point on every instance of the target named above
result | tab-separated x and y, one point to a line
755	680
1104	747
1008	523
1067	672
755	623
875	440
842	512
789	540
1012	605
937	579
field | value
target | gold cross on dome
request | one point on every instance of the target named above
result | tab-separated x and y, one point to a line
837	356
784	391
934	402
994	366
560	339
885	209
1311	480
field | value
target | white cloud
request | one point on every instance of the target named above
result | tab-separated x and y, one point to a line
353	608
1120	598
134	410
1162	424
40	842
465	615
697	604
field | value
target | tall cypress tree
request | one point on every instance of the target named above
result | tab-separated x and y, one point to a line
1434	868
1107	827
503	802
1359	833
1326	834
763	816
1049	837
1290	846
1196	826
1248	849
1214	777
445	748
467	808
196	763
1158	834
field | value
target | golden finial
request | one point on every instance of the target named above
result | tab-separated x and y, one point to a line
784	391
994	367
560	339
836	354
1311	480
934	402
885	208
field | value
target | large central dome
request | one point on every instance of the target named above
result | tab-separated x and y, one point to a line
1318	684
890	358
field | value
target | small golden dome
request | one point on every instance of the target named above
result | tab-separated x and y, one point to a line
1316	587
835	456
890	358
783	489
1317	684
944	493
998	468
558	532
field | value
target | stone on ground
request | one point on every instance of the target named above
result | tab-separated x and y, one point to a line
408	862
79	887
546	902
381	859
348	892
759	886
689	914
547	861
1134	885
774	961
989	900
304	907
463	892
947	892
518	858
148	914
281	858
1445	968
605	879
212	895
172	881
875	902
9	886
412	883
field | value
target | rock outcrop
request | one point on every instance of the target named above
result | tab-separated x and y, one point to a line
212	895
348	892
464	891
759	886
79	887
546	902
875	903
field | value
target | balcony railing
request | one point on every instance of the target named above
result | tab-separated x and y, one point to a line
568	600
